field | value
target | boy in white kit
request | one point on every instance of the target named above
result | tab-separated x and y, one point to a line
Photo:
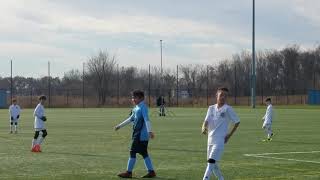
267	120
216	125
40	118
14	111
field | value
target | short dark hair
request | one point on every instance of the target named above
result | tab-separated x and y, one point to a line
138	94
268	100
42	97
14	100
223	89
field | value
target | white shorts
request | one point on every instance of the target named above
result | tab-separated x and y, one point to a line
215	151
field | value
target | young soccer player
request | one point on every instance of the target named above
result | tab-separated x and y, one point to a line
216	124
140	135
14	111
267	120
39	125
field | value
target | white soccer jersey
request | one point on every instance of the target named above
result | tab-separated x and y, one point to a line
14	111
39	113
218	122
268	116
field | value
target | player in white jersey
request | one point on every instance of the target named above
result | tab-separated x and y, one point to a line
14	111
39	125
216	125
267	120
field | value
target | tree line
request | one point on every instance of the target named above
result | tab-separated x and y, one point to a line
288	71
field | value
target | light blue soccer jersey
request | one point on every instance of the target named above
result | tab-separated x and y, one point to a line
139	117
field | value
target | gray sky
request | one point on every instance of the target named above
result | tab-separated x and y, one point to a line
66	33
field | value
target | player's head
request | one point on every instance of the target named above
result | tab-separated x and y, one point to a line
268	101
42	99
137	96
14	101
222	94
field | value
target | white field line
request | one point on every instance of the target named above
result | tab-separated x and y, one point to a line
264	155
303	152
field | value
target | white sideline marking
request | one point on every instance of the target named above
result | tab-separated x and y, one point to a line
264	155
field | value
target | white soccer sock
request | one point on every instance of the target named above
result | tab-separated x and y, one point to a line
217	172
15	128
34	141
208	172
269	132
40	140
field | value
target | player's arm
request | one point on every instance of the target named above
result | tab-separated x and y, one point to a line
124	123
38	112
147	122
235	127
204	128
10	112
235	120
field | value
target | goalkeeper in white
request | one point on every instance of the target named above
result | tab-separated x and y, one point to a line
216	124
14	111
267	120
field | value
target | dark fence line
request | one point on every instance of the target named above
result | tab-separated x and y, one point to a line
75	98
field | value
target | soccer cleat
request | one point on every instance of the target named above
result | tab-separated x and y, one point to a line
33	149
151	174
267	140
36	148
125	174
11	132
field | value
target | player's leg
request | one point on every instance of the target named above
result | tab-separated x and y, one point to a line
209	168
147	160
214	154
11	127
35	137
160	110
131	161
16	126
265	128
270	134
163	110
44	134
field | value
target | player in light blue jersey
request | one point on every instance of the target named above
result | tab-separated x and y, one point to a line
140	135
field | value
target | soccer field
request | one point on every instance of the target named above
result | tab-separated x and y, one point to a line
81	144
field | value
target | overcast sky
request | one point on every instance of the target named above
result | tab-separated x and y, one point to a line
67	32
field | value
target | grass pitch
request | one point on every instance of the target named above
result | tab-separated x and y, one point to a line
81	144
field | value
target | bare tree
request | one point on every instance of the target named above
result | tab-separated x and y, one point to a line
101	70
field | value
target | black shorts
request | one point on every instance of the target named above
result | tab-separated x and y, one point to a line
140	147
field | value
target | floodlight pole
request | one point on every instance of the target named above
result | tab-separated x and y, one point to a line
11	86
253	75
49	85
161	79
149	86
83	85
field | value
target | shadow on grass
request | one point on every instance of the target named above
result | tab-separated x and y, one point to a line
179	150
79	154
295	142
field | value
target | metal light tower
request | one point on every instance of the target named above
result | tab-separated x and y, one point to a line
161	78
49	85
161	57
11	83
253	68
